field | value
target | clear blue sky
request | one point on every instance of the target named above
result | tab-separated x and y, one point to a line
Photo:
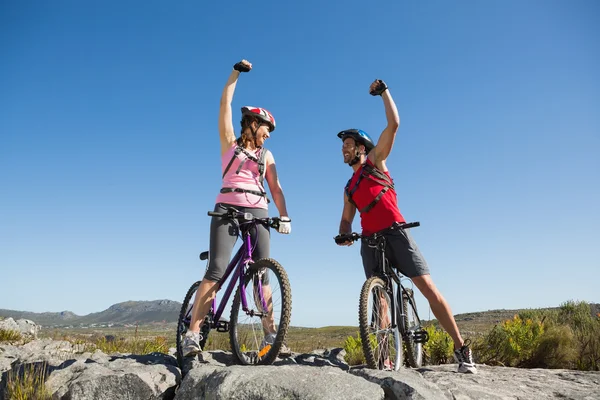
109	148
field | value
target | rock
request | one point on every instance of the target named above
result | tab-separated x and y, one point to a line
514	383
9	324
25	327
275	382
405	383
74	374
151	376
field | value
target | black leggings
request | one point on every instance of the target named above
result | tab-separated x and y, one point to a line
223	234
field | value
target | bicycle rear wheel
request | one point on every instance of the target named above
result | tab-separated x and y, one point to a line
184	320
257	333
412	323
382	343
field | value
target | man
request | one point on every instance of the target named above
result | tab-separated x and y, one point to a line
371	192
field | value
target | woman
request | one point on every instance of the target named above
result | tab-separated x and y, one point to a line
245	165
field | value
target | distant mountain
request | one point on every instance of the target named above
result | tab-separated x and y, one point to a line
126	313
167	311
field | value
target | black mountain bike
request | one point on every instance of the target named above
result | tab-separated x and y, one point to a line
387	312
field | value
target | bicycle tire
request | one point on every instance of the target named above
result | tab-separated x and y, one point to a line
243	335
183	323
378	345
414	351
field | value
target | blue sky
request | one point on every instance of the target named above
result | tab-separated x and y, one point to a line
109	148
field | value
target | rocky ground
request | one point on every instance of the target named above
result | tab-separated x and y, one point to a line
321	374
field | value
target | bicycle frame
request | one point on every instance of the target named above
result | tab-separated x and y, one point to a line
394	283
240	260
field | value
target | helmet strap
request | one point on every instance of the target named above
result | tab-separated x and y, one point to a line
356	158
254	131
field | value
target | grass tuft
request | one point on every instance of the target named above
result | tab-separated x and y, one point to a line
7	335
27	383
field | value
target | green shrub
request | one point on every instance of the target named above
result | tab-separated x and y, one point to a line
512	343
439	348
586	331
354	350
556	348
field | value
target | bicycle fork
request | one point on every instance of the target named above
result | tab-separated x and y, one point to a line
416	334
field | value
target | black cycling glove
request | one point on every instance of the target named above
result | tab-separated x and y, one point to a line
241	67
379	89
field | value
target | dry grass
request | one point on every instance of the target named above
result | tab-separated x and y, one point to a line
10	336
27	383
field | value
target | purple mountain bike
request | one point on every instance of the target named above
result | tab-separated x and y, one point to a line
262	304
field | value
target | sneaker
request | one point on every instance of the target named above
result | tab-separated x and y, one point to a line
285	351
269	339
388	365
464	358
191	344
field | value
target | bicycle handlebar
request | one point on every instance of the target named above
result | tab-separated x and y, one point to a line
234	214
352	237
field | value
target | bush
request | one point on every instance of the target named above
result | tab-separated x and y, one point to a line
586	332
565	338
354	351
439	349
512	343
556	349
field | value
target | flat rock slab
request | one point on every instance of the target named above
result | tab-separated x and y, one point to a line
275	382
514	383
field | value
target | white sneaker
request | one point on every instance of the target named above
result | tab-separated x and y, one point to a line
268	340
464	358
191	344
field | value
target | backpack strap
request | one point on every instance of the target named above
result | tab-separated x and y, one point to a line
262	166
370	172
236	152
261	171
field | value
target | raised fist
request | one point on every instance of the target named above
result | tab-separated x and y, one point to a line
377	87
243	66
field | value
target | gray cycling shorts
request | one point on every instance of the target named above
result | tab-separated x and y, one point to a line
401	251
223	236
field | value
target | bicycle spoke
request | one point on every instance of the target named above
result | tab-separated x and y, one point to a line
256	333
380	339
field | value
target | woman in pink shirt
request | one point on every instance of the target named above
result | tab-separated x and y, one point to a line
246	164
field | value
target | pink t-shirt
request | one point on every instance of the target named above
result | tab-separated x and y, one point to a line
246	178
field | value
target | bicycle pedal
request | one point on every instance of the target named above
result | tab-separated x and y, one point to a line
420	336
222	325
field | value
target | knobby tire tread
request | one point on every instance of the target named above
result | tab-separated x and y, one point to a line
286	312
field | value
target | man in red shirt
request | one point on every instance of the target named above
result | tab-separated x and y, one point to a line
371	192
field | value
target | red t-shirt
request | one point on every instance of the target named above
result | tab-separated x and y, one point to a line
384	213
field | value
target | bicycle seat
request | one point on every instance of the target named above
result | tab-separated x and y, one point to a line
204	255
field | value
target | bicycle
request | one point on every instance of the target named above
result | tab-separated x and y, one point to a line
262	303
383	332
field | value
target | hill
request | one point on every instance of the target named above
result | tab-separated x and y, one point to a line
167	311
126	313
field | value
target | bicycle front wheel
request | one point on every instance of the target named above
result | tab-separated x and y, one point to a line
412	323
257	331
184	320
381	342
